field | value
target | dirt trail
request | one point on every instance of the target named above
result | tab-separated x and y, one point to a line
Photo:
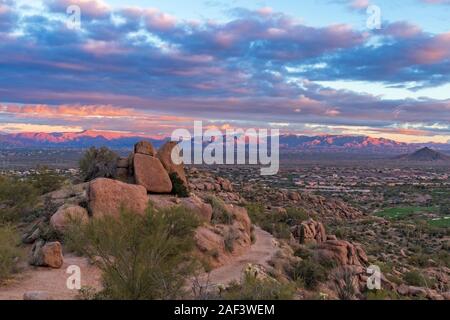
259	254
53	281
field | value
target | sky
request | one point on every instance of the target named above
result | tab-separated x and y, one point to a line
302	66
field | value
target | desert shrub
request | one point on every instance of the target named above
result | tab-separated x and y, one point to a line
98	163
277	224
17	198
255	211
295	216
253	288
303	252
178	187
45	181
220	214
9	250
141	257
416	278
229	239
309	273
444	209
344	283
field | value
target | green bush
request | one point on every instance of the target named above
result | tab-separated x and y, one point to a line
17	199
141	257
309	273
220	214
253	288
178	187
277	224
416	278
9	251
45	181
98	163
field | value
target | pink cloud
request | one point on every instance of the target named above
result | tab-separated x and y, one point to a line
91	8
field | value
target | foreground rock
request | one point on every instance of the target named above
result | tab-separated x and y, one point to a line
47	254
109	197
67	214
150	173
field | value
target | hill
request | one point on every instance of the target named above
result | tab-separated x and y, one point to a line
425	154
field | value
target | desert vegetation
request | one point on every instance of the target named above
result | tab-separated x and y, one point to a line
140	256
98	163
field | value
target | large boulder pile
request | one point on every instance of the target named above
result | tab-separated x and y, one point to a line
154	170
143	179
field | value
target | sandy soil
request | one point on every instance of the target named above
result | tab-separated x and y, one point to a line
53	281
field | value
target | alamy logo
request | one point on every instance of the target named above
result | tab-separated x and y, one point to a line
374	280
74	280
374	20
73	17
234	146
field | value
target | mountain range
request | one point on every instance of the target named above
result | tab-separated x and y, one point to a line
288	143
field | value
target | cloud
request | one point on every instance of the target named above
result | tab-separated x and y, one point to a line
128	68
91	9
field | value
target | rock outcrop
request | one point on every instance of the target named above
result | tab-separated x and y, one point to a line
218	243
342	253
310	232
109	197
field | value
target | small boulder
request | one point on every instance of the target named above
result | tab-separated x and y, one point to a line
144	147
36	295
150	173
66	214
47	254
109	197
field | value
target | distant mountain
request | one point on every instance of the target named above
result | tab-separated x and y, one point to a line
425	154
76	140
337	142
288	143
